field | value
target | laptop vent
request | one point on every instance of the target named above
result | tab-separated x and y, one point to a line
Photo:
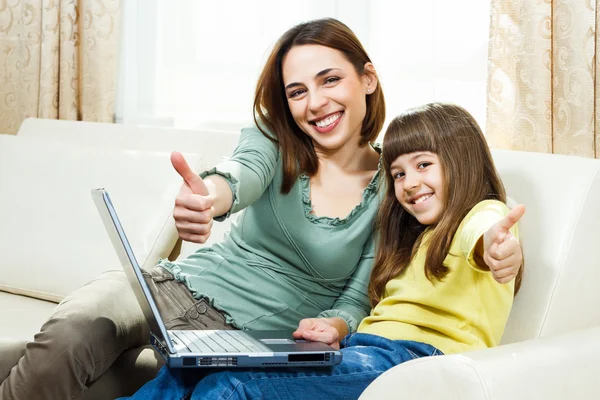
218	361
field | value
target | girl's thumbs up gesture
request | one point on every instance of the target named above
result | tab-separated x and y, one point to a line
501	250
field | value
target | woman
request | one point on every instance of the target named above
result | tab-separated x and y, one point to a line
302	249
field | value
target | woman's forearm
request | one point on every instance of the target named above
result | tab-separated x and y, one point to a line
218	187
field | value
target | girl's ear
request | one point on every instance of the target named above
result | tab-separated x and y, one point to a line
370	78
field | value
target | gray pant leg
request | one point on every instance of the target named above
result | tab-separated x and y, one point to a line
86	334
178	308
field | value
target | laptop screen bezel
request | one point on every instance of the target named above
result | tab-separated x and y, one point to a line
130	266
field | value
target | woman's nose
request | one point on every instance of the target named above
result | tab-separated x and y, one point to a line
316	101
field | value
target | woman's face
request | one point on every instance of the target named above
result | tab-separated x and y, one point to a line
326	96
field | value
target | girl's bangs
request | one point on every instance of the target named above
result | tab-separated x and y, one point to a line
407	134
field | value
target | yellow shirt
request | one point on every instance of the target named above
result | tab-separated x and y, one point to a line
467	310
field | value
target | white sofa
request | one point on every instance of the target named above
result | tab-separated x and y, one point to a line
52	241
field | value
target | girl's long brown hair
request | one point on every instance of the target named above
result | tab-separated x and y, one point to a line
469	178
271	111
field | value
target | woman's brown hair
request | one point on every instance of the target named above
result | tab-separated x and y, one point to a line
469	178
271	111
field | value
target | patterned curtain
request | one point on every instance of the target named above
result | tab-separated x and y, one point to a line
58	59
542	82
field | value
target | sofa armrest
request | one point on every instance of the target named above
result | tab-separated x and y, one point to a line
558	367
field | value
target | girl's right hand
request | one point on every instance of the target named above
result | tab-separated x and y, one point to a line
502	252
194	211
319	330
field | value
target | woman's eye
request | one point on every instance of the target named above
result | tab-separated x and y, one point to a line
332	79
296	93
423	165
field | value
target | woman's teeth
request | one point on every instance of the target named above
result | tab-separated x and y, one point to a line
328	121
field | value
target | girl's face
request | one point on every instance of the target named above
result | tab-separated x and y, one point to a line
326	96
419	185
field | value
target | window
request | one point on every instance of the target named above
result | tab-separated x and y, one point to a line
194	64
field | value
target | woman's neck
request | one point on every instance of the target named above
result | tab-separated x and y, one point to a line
350	158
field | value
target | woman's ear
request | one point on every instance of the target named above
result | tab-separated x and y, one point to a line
370	78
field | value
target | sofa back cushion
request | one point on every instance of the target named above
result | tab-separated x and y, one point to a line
560	234
51	237
213	145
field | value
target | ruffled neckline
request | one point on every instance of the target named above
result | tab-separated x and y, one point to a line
367	195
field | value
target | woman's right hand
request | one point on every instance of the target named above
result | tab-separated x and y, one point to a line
194	211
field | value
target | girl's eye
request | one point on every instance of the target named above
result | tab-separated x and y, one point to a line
399	175
423	165
331	79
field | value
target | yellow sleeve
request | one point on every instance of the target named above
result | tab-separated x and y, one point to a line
481	218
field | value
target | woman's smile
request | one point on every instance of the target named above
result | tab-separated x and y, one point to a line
328	123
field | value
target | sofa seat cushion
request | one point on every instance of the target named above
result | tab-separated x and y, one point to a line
21	317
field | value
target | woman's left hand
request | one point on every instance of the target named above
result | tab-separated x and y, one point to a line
502	252
318	330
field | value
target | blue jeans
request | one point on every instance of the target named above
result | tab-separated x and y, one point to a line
365	358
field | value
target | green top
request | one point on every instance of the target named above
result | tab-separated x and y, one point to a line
281	263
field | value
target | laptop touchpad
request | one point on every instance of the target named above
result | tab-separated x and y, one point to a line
277	341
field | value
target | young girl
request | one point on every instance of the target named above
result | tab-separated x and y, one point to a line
443	226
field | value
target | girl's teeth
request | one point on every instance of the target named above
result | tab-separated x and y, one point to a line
327	121
422	199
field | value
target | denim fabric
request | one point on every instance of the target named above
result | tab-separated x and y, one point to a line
365	358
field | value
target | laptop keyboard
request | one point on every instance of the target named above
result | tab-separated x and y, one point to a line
226	341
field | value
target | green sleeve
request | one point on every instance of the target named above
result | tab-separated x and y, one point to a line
353	304
250	169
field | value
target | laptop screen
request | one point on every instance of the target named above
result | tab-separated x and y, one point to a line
130	265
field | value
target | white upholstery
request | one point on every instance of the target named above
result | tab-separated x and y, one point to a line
561	239
553	368
21	317
52	240
213	145
552	340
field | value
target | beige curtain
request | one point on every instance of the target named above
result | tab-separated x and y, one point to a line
58	59
542	82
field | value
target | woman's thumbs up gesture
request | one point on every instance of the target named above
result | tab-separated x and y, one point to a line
193	212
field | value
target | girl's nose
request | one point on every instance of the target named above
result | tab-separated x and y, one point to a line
411	182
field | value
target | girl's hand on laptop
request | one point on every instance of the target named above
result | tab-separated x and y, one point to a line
320	330
193	212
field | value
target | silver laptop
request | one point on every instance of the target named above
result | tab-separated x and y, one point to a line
210	348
